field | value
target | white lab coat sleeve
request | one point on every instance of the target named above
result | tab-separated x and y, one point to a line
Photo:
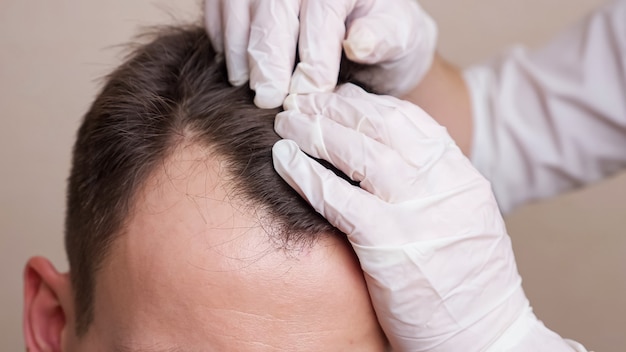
554	119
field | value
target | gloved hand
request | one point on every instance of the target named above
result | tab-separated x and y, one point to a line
428	233
259	39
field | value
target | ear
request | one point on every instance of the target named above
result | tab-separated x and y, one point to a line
47	304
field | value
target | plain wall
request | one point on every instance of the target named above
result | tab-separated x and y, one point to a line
571	250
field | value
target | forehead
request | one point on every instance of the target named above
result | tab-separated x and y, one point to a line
196	268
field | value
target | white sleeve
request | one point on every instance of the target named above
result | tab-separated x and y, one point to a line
554	119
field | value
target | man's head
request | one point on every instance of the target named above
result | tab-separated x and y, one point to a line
180	235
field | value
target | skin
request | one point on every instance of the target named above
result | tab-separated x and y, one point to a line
195	270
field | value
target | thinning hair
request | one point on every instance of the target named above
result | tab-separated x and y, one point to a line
173	88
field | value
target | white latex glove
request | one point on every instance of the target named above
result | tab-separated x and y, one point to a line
431	241
259	38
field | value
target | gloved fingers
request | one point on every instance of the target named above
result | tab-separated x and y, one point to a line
213	23
387	33
354	113
236	24
402	117
272	50
378	168
399	38
345	206
349	106
391	121
322	30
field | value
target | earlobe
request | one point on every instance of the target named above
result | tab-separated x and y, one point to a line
47	294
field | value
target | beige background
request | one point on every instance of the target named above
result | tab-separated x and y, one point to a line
571	250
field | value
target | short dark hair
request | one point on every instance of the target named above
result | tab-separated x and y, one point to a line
165	89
